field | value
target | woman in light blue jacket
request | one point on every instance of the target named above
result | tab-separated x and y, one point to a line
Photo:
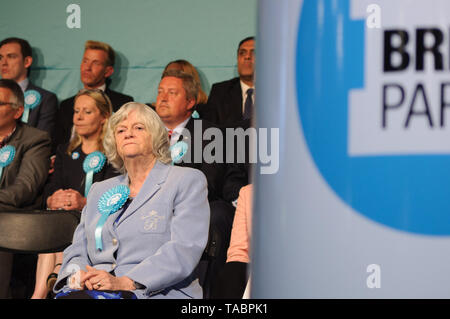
141	234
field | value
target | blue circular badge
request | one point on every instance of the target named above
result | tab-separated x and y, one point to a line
113	199
75	155
110	202
32	99
94	162
7	154
178	150
195	115
405	192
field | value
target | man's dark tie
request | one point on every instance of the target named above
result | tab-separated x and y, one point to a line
169	133
248	106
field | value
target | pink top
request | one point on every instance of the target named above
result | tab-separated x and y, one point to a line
241	231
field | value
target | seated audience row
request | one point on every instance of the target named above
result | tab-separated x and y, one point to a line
78	128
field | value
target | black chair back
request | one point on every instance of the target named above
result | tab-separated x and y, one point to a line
37	231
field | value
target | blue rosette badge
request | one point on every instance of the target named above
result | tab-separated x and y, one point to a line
93	163
195	115
177	151
110	202
7	154
32	99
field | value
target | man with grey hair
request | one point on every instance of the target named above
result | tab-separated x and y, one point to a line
25	161
175	101
177	92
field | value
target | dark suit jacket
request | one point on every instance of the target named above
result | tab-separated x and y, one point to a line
23	180
218	174
238	172
65	115
43	116
224	105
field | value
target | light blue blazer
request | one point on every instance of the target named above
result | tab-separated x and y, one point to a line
157	242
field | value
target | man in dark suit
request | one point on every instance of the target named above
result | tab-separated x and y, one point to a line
24	173
96	67
228	99
176	99
15	62
231	105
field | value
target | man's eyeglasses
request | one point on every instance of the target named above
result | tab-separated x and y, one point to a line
6	103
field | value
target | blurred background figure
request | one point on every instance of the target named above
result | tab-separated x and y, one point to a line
234	275
231	102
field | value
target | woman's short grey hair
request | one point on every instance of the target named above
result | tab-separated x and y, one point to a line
153	125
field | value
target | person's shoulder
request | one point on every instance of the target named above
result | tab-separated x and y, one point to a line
117	95
32	133
41	90
246	190
186	174
67	102
111	182
29	138
205	123
102	186
110	171
226	83
62	148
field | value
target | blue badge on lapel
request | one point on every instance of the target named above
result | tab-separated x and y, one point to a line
177	151
93	163
110	202
195	115
75	155
32	98
7	154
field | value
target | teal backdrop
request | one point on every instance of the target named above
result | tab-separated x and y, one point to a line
146	35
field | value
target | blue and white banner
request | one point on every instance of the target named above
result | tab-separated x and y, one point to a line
362	90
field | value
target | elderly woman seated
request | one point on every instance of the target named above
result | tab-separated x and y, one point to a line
69	184
142	233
